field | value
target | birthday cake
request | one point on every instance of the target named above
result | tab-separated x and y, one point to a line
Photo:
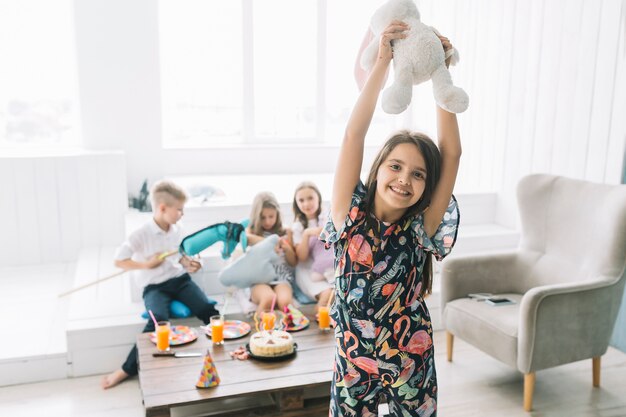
271	344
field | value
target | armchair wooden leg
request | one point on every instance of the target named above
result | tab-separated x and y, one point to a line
529	387
449	344
596	370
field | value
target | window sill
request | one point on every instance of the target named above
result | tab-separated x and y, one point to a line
259	146
38	152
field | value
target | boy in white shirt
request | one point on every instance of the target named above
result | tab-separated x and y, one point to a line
163	278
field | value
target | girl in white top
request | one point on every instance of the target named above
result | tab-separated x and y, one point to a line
314	272
265	220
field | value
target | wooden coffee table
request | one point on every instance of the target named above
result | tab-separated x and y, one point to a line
299	386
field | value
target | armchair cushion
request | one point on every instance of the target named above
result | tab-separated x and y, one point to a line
492	329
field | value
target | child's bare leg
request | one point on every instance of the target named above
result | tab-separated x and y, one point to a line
316	276
261	295
114	378
284	295
323	298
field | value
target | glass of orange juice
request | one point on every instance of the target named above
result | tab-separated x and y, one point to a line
163	331
323	318
268	320
217	330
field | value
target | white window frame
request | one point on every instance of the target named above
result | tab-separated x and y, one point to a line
249	137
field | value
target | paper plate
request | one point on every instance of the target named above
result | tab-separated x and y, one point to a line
233	329
179	335
299	321
279	324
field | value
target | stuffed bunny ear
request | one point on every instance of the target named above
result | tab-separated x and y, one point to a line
368	56
453	54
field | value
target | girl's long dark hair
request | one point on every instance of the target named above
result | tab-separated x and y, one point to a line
432	158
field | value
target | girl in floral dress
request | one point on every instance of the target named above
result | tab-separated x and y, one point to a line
384	234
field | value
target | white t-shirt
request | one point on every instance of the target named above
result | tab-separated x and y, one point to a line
148	240
298	230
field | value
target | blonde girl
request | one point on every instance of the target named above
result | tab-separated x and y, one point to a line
265	220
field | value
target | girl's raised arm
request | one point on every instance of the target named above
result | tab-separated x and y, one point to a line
351	153
450	147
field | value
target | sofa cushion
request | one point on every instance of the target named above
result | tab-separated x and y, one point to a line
492	329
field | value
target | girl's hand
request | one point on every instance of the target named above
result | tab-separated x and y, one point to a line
395	30
445	42
284	244
286	247
313	231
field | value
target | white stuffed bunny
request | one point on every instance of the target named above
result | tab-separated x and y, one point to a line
416	58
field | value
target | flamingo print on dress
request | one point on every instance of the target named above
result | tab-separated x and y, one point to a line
427	408
408	368
365	327
367	364
419	342
351	377
360	251
381	266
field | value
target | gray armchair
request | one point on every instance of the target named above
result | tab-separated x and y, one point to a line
567	278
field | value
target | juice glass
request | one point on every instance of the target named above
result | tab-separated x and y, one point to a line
217	330
163	336
268	320
323	318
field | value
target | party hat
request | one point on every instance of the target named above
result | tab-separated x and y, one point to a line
208	376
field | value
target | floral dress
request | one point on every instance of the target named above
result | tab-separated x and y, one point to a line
384	331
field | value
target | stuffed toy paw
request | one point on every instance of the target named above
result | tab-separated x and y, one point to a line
417	58
256	266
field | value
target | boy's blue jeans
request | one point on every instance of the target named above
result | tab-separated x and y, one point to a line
158	297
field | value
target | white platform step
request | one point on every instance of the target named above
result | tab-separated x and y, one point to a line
33	347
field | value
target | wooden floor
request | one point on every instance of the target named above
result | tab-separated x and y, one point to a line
473	385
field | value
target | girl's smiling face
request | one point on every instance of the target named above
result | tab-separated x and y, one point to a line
308	202
400	182
268	219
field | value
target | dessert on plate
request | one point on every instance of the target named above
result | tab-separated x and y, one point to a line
271	344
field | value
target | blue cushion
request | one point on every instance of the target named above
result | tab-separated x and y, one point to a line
256	266
179	310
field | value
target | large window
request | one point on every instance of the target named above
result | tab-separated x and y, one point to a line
260	72
38	81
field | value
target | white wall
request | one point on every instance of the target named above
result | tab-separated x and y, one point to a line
547	84
546	79
54	205
118	62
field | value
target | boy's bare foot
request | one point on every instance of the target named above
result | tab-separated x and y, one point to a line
113	379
